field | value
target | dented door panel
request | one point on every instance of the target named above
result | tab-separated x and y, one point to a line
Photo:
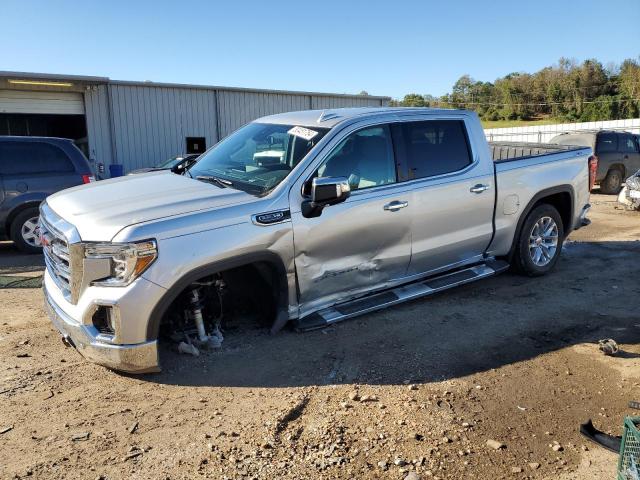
352	247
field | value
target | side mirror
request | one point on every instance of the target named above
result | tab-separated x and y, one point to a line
323	192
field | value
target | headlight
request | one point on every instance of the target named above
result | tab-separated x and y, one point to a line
127	260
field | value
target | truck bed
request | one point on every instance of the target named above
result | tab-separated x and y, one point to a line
508	151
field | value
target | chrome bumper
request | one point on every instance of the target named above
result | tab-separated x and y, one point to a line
137	358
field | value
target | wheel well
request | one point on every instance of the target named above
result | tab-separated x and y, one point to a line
260	281
561	198
618	166
16	211
562	202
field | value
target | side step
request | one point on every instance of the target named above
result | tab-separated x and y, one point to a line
411	291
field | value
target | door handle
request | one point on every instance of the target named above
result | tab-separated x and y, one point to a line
395	206
479	188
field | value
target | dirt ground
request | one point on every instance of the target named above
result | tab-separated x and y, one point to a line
414	391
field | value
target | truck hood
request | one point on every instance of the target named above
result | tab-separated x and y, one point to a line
100	210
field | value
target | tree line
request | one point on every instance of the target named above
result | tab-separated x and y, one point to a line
568	91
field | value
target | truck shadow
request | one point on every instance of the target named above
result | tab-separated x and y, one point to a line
477	327
13	261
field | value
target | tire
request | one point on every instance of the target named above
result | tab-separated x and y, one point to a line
540	241
24	231
612	183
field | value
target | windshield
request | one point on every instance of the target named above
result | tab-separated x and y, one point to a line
172	162
257	157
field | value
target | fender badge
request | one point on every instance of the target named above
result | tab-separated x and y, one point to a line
269	218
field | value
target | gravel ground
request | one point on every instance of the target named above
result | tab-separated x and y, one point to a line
415	391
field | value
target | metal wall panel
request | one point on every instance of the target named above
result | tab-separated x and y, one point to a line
150	124
96	103
238	108
321	101
140	126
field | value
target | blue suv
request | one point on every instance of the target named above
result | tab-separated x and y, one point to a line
32	168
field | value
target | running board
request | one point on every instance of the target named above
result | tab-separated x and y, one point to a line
411	291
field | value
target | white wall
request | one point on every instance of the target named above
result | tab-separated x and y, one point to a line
544	133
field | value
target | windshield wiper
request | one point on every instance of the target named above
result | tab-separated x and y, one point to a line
217	180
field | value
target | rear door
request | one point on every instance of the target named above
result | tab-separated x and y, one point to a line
608	153
453	193
630	154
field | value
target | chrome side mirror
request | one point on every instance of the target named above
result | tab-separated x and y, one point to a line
325	191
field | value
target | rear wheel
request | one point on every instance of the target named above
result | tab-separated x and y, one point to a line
612	183
24	231
540	241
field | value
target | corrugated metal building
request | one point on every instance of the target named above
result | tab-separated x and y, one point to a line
139	124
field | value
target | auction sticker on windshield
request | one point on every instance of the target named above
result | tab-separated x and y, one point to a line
302	132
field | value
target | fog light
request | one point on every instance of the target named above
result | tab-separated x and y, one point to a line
103	320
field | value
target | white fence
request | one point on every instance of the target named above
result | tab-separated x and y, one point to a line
544	133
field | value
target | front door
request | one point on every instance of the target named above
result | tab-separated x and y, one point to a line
364	242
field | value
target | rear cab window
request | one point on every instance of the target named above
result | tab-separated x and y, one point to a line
430	148
33	158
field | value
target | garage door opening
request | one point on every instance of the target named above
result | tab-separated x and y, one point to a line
44	114
37	125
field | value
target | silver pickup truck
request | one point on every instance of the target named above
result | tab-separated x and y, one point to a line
307	217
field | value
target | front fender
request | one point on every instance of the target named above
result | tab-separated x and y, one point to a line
183	259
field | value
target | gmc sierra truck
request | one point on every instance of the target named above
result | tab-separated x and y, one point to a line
307	218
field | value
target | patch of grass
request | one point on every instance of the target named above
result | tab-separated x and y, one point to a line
518	123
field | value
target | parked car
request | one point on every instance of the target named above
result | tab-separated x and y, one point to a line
178	164
31	168
618	155
361	209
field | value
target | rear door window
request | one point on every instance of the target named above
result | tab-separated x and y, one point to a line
32	158
607	142
432	147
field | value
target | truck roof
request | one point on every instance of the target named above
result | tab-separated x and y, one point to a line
329	118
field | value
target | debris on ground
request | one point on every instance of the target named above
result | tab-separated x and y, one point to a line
495	445
629	196
6	429
608	346
80	437
609	442
188	349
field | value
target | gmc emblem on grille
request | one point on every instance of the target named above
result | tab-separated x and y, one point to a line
44	239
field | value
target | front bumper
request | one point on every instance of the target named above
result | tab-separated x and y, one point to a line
136	358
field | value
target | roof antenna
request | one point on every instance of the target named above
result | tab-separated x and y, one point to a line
321	117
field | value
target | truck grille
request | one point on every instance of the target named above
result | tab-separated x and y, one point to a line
60	255
56	256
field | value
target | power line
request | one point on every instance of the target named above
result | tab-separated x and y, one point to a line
540	104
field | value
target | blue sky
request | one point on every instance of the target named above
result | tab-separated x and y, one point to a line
383	47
